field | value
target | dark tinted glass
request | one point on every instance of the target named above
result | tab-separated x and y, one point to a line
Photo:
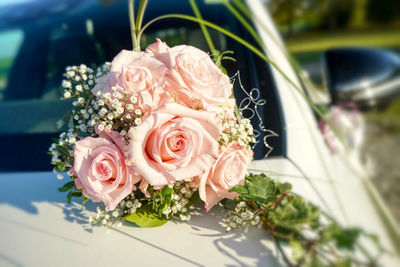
348	69
92	32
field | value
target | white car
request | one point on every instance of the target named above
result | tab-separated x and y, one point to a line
37	228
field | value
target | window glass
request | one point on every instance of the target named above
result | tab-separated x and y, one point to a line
43	48
10	43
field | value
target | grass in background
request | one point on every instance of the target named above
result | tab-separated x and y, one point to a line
388	118
318	42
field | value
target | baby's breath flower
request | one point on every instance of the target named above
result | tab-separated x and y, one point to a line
67	94
101	127
129	107
133	99
66	84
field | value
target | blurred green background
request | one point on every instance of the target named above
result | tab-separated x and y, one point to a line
310	27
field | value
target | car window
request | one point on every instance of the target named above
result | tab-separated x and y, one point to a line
10	43
30	107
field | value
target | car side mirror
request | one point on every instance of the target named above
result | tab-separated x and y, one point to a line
367	77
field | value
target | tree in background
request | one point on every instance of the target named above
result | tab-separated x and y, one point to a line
358	18
333	14
290	12
383	11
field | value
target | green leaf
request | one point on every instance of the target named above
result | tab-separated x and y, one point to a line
344	238
66	187
346	262
297	250
294	215
240	189
347	238
193	199
259	188
60	168
167	190
69	195
62	150
145	216
284	187
76	193
316	261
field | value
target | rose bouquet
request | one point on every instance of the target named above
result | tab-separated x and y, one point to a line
153	122
154	131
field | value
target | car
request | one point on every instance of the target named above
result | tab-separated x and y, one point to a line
40	38
367	77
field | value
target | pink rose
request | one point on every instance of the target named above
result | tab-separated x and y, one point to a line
228	171
137	73
102	174
194	78
174	143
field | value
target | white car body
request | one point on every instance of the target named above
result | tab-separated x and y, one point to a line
53	233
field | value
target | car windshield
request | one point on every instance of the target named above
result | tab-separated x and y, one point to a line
44	37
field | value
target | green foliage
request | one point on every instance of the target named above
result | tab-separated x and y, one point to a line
258	188
76	193
293	216
298	251
62	150
66	187
288	217
164	198
146	216
72	191
69	196
344	238
194	199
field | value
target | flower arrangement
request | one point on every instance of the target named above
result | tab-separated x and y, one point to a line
154	123
155	131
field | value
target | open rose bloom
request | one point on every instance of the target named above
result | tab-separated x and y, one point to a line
152	120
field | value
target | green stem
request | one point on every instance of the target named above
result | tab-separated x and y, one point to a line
244	22
239	4
139	20
211	25
251	48
132	23
203	28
